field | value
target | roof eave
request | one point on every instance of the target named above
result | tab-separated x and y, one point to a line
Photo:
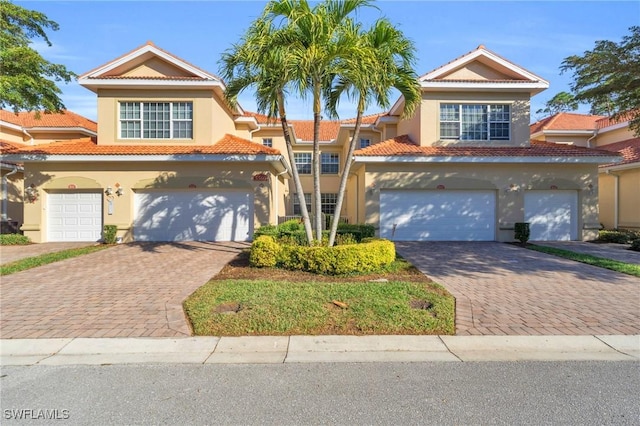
76	158
491	160
442	85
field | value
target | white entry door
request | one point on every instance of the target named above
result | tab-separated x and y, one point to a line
74	216
421	215
193	216
553	215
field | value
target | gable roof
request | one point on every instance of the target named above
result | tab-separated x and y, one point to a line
41	119
629	149
566	121
304	130
403	147
512	76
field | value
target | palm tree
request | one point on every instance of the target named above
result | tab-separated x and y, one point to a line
383	61
260	61
318	44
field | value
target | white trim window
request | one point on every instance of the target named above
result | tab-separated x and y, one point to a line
364	143
267	142
296	204
156	120
328	203
477	122
303	162
329	163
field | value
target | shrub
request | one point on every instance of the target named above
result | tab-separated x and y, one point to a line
271	230
360	231
14	240
522	232
344	239
109	234
635	245
265	252
365	257
292	225
614	236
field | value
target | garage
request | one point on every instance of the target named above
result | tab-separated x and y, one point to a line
74	216
552	215
423	215
193	216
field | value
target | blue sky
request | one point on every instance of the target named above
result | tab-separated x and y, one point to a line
535	35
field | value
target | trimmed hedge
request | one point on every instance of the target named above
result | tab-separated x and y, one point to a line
14	240
618	236
635	245
369	256
292	232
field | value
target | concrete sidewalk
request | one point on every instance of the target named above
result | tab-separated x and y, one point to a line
306	349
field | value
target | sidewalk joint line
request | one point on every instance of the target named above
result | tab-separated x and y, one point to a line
213	350
57	352
448	349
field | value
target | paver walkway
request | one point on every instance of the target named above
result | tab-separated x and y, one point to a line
130	290
617	252
502	289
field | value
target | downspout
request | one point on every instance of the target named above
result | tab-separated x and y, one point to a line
5	193
28	134
595	133
616	200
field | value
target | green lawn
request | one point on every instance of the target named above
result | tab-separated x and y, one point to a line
32	262
614	265
267	307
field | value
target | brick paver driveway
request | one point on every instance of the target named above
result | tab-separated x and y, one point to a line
130	290
504	289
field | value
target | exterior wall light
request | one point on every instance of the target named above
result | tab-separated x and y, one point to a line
31	193
119	191
108	190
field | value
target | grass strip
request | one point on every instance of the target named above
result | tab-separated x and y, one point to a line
614	265
44	259
265	307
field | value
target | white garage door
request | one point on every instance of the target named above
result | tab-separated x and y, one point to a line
553	215
193	216
74	216
437	215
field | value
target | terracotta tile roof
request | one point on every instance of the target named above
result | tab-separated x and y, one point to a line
609	121
404	146
304	130
261	118
366	119
566	121
7	147
55	119
229	144
629	149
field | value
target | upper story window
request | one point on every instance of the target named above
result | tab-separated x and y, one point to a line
364	143
156	120
303	162
478	122
267	142
329	163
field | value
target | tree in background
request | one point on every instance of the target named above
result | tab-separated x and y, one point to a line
609	75
561	102
28	81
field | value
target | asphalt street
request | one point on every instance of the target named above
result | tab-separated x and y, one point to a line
580	393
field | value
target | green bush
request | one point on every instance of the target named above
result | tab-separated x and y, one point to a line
360	231
292	225
109	234
265	252
14	240
348	259
271	230
635	245
522	232
615	236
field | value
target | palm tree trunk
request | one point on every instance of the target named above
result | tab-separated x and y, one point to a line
345	174
294	170
316	159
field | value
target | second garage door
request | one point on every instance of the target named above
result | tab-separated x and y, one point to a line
553	215
193	216
437	215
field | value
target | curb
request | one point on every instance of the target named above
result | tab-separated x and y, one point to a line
307	349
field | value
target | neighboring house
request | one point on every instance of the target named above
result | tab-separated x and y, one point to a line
618	183
26	129
172	161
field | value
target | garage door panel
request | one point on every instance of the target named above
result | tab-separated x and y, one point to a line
184	216
437	215
552	215
74	216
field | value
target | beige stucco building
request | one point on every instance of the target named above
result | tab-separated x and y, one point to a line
171	160
618	183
